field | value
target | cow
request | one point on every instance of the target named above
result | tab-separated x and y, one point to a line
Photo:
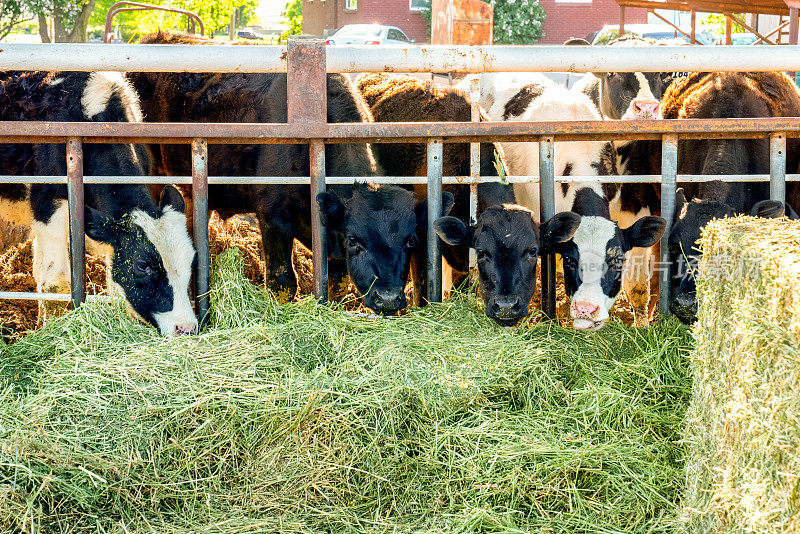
283	212
396	98
148	251
724	95
533	97
507	243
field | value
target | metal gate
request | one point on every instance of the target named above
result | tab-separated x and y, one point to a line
306	63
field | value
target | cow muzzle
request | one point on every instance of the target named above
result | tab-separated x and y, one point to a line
684	307
387	301
643	108
585	316
506	310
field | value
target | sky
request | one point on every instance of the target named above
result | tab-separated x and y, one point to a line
270	8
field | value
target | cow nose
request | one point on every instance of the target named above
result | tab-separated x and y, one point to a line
506	307
684	307
389	300
184	329
585	310
646	107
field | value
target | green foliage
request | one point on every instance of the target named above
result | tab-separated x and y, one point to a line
12	12
716	24
515	21
293	13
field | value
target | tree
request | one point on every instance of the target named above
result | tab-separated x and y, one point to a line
515	21
12	12
70	19
293	13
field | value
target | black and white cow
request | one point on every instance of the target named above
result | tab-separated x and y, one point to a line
146	244
507	242
533	97
381	227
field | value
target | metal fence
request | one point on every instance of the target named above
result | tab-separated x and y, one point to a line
306	63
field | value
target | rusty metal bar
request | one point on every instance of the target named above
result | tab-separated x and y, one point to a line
777	166
77	236
474	163
669	172
200	213
318	231
547	209
121	7
307	108
435	164
451	132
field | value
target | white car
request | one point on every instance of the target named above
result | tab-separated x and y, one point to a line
374	34
657	32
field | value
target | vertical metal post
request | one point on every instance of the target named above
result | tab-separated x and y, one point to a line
793	25
307	104
728	29
777	166
319	244
621	21
77	237
693	38
547	209
669	175
200	213
474	164
434	212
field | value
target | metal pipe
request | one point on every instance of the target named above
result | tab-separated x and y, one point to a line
200	213
52	297
452	132
435	158
77	236
366	58
319	242
777	166
406	180
547	209
474	163
669	171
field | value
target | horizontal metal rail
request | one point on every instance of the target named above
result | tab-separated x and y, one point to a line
397	180
394	132
466	59
56	297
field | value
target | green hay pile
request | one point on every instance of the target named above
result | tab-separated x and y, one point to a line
743	461
298	418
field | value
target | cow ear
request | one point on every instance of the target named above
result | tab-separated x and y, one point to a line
172	198
331	209
768	209
99	226
453	231
447	202
643	233
680	203
560	228
791	214
577	41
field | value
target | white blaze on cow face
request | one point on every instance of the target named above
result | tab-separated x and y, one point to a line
592	283
168	235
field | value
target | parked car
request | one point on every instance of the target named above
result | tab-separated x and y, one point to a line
248	34
743	38
373	34
658	32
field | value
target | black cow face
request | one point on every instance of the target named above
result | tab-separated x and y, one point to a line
690	219
380	227
507	243
152	261
632	95
593	264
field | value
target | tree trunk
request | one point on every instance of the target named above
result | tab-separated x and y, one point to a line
78	33
44	32
59	34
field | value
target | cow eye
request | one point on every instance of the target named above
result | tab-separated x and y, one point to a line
531	254
570	263
613	75
142	267
481	254
412	242
666	77
354	245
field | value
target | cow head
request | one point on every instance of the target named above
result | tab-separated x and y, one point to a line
690	219
380	227
593	264
507	243
151	261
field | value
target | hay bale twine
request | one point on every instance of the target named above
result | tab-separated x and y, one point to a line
743	431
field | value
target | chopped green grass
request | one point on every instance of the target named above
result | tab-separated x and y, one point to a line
300	418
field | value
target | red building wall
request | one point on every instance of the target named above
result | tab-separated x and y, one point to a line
567	19
320	15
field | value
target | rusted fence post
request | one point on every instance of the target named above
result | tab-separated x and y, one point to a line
77	237
200	213
777	166
547	209
306	89
669	175
434	212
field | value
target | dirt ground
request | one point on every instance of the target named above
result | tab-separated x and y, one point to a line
20	317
